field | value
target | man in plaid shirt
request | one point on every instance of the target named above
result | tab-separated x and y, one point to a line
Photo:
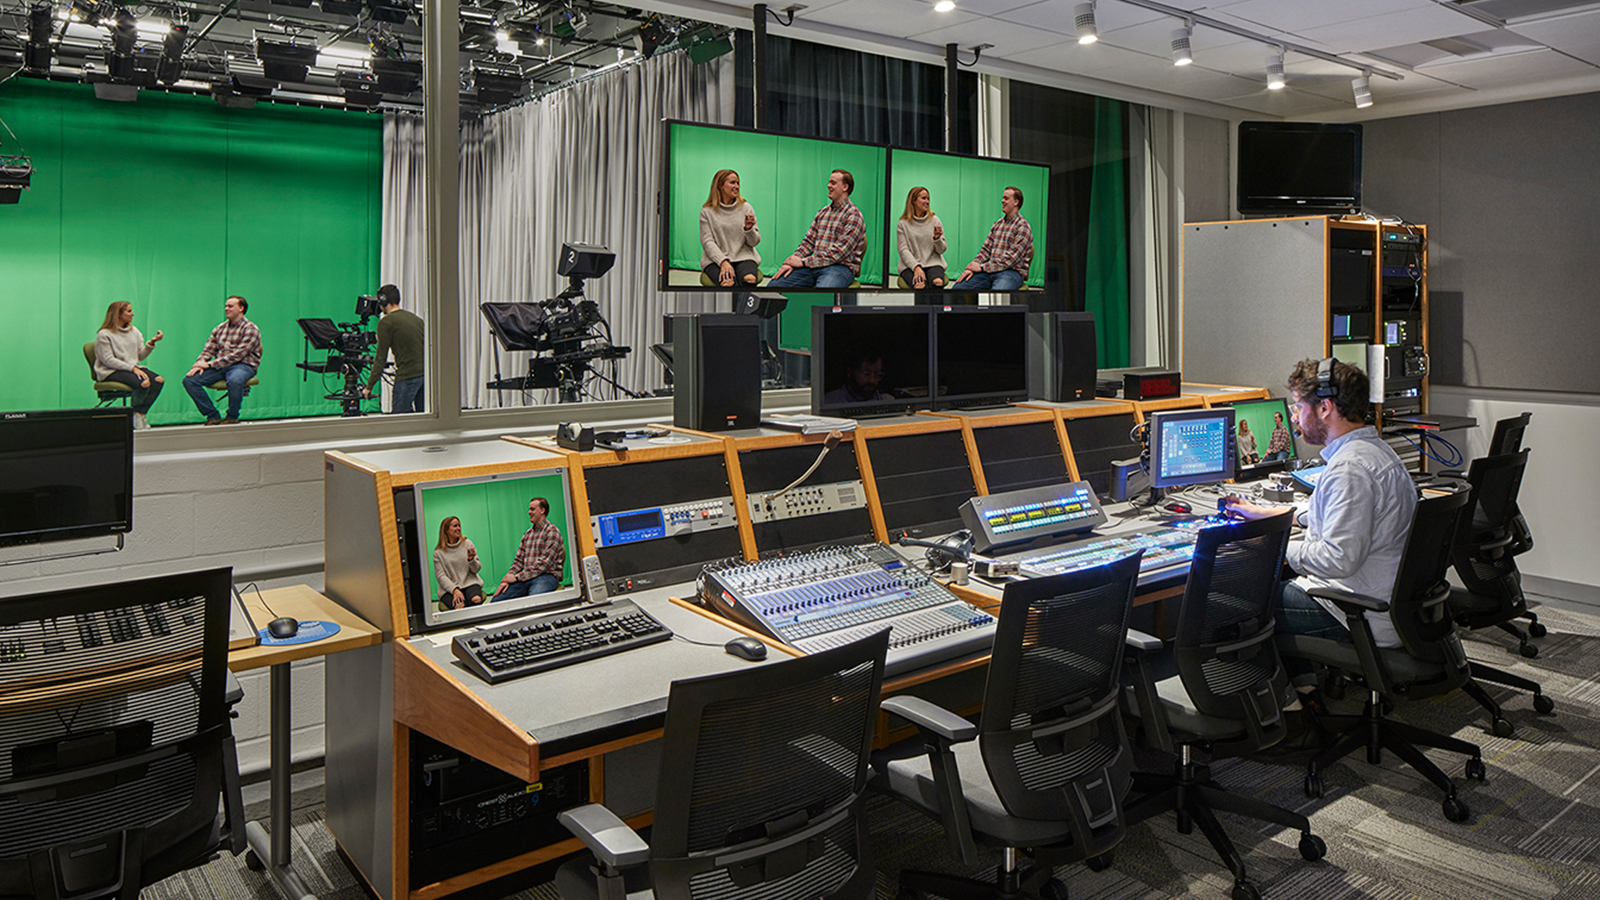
1002	263
537	566
830	254
232	354
1280	445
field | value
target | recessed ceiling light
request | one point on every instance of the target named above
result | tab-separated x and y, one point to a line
944	6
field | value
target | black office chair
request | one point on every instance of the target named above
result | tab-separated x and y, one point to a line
1051	762
1507	439
763	771
115	750
1491	595
1429	662
1220	686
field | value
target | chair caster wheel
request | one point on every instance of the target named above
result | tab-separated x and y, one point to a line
1528	651
1099	863
1476	770
1314	786
1502	727
1543	704
1054	889
1537	630
1244	890
1312	848
1455	810
253	862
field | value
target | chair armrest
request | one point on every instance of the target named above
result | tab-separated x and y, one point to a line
931	717
613	843
1138	640
1350	602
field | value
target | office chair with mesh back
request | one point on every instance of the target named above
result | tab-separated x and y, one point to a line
1429	662
1051	763
763	771
115	747
106	391
1507	439
1491	594
1219	686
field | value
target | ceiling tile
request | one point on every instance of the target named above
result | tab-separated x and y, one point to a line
1515	68
1058	16
897	18
1070	56
1007	38
1294	17
1424	24
1562	32
990	7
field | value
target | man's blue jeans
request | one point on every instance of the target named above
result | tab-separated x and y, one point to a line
1003	280
1297	612
538	584
408	395
235	375
831	277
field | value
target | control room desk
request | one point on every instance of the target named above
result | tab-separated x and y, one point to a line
303	603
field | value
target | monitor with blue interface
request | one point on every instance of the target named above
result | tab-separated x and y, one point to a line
1263	437
1191	446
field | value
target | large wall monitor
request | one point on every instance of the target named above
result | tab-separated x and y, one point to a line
1191	446
1299	168
964	192
493	510
65	474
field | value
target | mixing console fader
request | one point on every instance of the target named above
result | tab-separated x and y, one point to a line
831	596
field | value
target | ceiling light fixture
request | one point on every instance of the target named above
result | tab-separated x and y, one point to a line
1181	53
1083	20
39	28
944	6
1275	81
1361	86
170	67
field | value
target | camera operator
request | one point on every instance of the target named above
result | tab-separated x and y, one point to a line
400	331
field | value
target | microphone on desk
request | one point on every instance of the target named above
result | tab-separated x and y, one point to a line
952	548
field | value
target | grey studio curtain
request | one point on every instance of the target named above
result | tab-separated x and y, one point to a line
402	259
578	164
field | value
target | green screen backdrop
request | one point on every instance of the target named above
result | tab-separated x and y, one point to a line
785	180
173	203
965	194
494	516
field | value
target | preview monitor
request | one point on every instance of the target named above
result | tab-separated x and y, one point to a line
1299	168
782	183
964	193
1263	437
493	511
65	474
1191	446
870	360
980	356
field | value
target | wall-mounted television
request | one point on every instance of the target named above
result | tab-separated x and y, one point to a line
964	192
65	474
1294	168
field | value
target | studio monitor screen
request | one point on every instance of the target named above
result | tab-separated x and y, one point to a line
65	474
1299	168
964	193
981	356
870	360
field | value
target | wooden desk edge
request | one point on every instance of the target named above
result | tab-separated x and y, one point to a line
301	602
430	700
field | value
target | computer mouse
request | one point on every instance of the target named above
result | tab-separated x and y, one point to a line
283	627
746	648
1174	506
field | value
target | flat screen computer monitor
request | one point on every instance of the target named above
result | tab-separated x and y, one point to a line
981	356
65	474
493	511
870	360
1263	437
1191	446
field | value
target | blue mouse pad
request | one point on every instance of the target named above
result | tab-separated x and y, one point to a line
310	630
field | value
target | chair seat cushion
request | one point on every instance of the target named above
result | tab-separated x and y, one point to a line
575	881
1182	716
1402	666
222	385
912	779
108	387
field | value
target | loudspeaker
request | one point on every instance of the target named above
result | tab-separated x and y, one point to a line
1062	356
716	372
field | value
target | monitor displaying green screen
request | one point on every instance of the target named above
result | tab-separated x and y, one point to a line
1256	421
785	181
964	192
493	510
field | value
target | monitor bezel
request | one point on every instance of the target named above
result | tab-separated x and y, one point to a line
820	355
122	525
1250	202
423	606
1230	456
948	314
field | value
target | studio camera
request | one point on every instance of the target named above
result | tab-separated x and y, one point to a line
349	348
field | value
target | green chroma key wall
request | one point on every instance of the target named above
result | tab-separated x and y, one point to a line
173	203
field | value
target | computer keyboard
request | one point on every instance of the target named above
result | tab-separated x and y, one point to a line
1162	547
530	646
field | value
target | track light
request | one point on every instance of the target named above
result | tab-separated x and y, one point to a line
124	32
39	28
1181	54
170	67
1083	19
1275	80
1363	90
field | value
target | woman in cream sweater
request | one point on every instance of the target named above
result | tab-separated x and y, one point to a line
119	348
920	235
728	234
456	566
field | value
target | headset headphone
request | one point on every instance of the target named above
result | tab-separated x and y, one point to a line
1325	387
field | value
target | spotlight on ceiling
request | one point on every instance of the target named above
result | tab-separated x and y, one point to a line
1275	80
397	76
1083	18
708	46
1362	88
341	7
170	68
39	28
496	87
650	36
16	172
1181	54
284	60
360	89
944	6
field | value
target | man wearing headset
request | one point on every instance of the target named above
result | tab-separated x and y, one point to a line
1359	517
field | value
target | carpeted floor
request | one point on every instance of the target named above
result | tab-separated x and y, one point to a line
1534	832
